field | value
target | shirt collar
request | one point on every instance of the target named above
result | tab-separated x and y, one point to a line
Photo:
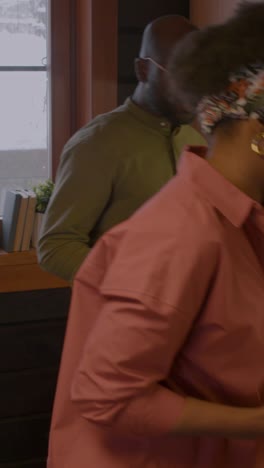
156	123
235	205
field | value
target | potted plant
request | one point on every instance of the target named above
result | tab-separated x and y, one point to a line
43	193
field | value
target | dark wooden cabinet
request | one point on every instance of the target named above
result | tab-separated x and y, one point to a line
32	327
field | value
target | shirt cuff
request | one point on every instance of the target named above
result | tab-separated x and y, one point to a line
153	414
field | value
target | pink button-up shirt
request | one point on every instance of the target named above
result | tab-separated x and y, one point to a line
169	303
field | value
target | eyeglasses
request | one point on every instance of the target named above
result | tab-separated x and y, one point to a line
156	63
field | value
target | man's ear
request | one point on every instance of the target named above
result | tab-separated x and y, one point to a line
141	69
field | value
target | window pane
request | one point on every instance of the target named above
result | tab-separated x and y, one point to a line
23	110
24	131
23	32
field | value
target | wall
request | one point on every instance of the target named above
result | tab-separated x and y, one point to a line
95	58
133	16
204	12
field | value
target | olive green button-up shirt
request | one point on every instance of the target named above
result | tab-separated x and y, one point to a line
108	169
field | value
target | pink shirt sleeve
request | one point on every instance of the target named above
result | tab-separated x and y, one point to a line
143	323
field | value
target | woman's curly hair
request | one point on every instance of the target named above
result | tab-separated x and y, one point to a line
203	61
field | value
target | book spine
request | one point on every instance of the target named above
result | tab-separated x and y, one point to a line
10	218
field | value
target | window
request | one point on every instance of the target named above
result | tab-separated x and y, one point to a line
24	94
51	55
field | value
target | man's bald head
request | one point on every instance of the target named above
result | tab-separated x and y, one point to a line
159	40
162	35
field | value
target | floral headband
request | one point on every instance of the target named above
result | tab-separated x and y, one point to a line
243	99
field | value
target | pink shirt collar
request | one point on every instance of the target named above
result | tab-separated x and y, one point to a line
234	204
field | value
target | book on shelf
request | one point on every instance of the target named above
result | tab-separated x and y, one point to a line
10	218
29	220
18	219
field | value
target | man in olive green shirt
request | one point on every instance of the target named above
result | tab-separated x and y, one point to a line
110	167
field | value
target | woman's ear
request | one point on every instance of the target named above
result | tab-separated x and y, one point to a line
141	69
257	126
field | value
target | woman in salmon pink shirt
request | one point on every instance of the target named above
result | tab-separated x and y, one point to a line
163	361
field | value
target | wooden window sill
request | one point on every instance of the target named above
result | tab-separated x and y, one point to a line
19	271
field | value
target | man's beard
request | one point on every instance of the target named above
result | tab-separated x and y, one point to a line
175	114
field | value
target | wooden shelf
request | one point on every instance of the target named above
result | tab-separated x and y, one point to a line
19	271
17	258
